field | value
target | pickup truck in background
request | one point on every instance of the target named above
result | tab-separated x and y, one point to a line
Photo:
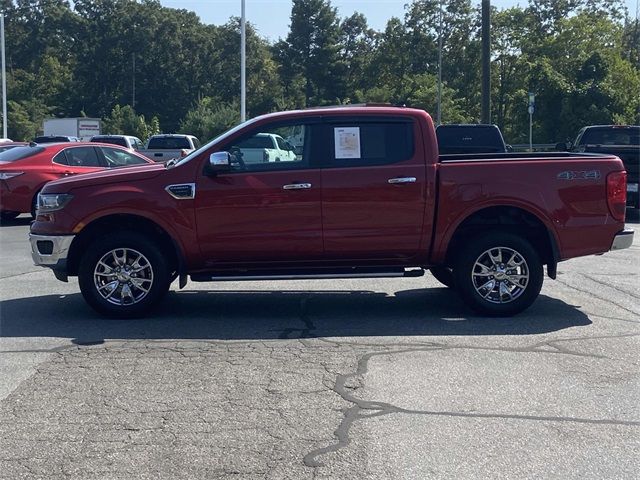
470	138
368	196
161	148
265	148
623	141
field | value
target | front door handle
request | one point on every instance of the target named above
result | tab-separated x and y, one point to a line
296	186
397	180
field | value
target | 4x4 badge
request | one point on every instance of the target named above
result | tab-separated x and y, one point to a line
583	175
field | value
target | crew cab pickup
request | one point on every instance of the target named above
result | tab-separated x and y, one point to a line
367	196
623	141
161	148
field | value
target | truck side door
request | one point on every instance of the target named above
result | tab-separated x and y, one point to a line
261	211
374	188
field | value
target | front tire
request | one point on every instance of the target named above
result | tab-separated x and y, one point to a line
498	274
123	275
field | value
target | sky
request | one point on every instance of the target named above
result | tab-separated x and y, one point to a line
272	17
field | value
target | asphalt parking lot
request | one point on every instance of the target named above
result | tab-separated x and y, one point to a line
366	379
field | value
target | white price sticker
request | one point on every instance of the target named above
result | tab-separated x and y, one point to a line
347	142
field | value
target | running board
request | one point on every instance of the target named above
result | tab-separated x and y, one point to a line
314	274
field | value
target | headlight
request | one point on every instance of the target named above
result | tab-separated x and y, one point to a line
8	175
50	202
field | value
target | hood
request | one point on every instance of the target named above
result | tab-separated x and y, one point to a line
103	177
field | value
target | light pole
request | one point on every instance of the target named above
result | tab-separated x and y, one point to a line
243	65
4	79
439	118
486	61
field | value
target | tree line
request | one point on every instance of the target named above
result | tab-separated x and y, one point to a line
145	68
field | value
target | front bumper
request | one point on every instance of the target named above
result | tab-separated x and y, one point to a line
49	250
622	240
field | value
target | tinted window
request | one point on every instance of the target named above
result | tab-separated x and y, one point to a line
371	143
168	143
61	158
469	139
612	136
119	158
82	157
19	153
112	140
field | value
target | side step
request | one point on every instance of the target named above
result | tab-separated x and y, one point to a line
307	274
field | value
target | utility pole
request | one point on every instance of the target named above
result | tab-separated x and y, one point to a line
133	74
532	104
486	61
4	79
439	118
243	65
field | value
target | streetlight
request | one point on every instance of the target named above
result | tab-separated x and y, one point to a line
4	79
243	65
439	118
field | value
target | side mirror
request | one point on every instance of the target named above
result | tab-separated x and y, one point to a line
563	146
218	162
509	148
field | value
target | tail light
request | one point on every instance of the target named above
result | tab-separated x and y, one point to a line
617	194
184	153
265	156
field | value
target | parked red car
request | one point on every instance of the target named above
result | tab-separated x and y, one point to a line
25	169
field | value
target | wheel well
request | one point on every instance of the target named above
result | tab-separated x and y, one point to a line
511	219
129	223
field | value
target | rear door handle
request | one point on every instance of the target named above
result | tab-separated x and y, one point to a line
296	186
397	180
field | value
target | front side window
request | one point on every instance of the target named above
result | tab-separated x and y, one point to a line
370	143
119	158
82	157
270	148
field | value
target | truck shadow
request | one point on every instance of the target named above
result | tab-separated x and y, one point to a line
263	315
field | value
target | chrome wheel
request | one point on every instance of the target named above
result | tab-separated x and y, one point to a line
123	276
500	275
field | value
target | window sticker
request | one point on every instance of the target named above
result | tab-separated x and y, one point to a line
347	142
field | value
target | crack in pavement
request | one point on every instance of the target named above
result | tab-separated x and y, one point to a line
365	409
592	294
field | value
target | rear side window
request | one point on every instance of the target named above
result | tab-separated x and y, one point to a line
375	143
19	153
168	143
82	157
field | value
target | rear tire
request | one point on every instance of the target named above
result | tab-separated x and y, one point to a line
498	274
123	275
444	275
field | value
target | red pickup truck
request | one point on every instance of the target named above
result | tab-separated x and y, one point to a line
367	195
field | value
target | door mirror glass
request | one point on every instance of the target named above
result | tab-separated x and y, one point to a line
218	162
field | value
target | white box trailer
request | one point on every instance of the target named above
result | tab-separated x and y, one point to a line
83	128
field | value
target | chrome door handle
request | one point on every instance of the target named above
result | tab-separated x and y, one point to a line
396	180
296	186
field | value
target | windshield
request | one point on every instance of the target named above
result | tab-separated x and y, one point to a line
218	139
19	153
